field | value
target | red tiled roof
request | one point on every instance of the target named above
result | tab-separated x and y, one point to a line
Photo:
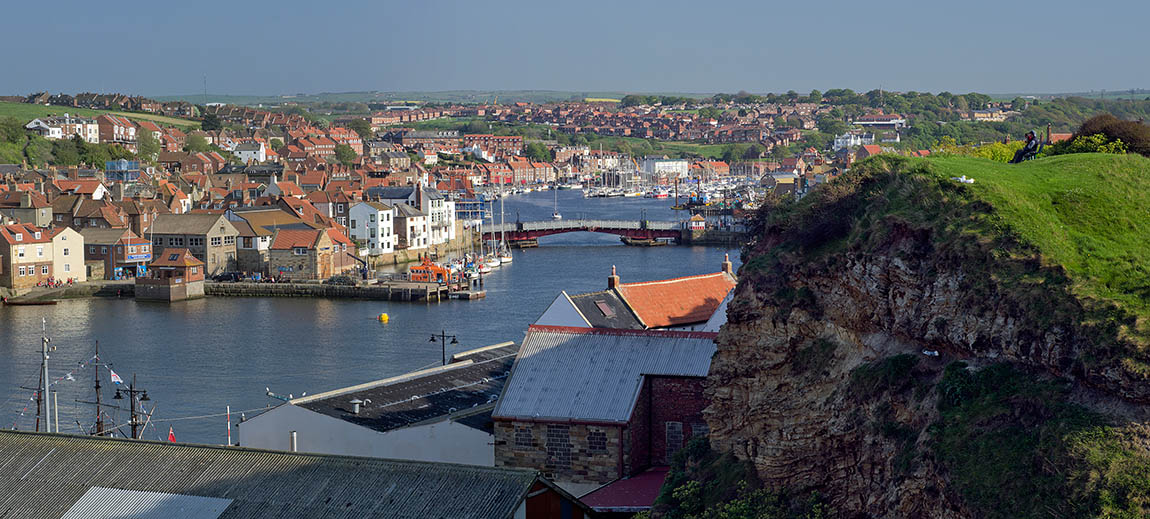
286	239
27	234
184	258
678	301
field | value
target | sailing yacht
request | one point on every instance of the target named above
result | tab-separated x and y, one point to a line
555	215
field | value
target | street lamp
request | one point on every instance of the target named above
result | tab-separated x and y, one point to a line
442	338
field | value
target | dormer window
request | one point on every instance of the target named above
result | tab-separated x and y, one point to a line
37	235
19	236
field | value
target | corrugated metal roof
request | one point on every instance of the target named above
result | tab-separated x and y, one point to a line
43	475
595	374
106	503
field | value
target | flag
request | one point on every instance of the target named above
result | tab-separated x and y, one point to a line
115	378
171	435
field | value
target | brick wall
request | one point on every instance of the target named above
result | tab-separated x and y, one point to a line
567	453
676	414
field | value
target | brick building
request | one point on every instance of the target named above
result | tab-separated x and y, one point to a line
590	406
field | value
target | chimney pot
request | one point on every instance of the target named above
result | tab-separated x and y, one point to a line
613	279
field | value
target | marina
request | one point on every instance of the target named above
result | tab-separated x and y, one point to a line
201	356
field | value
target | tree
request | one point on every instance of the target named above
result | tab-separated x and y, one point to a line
38	150
197	144
276	144
831	125
734	153
211	122
344	154
754	151
147	145
537	151
361	127
64	152
476	126
11	130
815	97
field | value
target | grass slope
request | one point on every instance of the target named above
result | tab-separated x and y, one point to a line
1089	213
26	112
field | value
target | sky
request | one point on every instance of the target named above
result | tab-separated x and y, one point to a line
253	47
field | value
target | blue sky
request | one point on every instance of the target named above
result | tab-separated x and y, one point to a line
256	47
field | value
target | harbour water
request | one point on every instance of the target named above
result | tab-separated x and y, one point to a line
197	357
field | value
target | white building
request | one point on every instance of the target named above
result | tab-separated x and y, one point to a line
852	140
657	169
251	151
439	213
68	255
373	224
65	126
439	414
410	228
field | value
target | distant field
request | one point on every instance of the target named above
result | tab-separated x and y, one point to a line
601	100
27	112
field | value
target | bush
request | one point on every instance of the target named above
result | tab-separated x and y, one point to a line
1134	134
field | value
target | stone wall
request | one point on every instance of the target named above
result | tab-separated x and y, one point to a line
565	453
315	290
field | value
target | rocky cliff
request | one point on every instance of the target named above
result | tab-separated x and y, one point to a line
911	346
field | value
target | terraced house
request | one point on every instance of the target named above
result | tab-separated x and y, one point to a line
30	255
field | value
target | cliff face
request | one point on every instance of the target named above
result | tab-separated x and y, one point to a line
827	376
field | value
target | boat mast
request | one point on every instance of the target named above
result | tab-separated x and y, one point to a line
99	413
44	380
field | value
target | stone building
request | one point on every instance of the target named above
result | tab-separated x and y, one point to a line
210	237
590	406
175	275
301	254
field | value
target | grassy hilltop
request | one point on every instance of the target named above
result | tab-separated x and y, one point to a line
27	112
1033	284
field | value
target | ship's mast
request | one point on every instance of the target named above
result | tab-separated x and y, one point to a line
99	412
45	382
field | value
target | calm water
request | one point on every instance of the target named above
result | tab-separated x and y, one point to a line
197	357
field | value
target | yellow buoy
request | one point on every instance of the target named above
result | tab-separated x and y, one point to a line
383	318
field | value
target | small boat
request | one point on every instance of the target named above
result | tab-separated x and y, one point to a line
32	302
505	256
491	263
484	269
556	216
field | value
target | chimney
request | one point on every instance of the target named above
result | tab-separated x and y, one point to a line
613	279
727	267
292	445
355	403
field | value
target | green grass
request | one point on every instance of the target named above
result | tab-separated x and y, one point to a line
26	112
1089	213
1016	448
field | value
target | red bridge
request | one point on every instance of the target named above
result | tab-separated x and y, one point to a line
634	229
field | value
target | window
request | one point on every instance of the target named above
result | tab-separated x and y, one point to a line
44	269
19	251
131	249
173	257
39	251
216	241
558	447
229	240
37	235
700	429
299	251
523	438
597	441
103	250
160	241
371	217
674	436
21	271
353	223
64	237
195	269
247	244
59	218
91	249
19	236
67	267
65	251
143	248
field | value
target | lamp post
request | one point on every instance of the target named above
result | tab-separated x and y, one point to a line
442	338
132	392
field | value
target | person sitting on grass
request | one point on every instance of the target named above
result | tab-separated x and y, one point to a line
1028	151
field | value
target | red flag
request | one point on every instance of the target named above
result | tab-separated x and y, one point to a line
171	435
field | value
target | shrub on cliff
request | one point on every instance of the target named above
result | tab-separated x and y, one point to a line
1133	135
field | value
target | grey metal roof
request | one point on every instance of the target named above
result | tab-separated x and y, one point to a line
43	475
186	223
595	374
104	503
472	381
605	310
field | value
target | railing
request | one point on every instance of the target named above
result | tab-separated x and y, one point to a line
551	225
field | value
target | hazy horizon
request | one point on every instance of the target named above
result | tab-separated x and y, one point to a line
271	49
